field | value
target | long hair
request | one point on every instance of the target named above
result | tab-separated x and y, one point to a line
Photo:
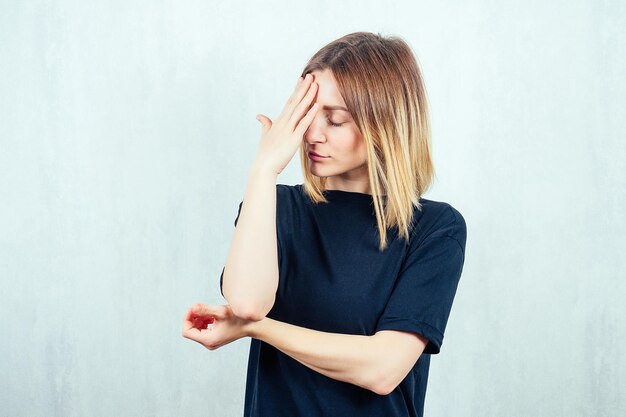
381	83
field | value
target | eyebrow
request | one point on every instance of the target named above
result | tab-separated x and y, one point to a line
334	108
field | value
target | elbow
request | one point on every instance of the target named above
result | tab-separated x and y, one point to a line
383	388
247	312
250	311
381	381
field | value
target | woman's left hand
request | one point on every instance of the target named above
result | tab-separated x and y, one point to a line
223	326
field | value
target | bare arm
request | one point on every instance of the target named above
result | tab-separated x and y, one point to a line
250	276
251	271
377	363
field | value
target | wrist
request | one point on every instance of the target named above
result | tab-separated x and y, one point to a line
259	167
254	328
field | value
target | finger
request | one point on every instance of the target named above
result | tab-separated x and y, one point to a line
266	123
193	312
197	310
200	308
294	99
305	122
207	310
205	339
301	109
187	320
191	334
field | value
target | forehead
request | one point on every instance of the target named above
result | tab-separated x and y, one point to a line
327	93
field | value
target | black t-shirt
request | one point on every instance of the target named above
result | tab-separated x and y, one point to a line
333	278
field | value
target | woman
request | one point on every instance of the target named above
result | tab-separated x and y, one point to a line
345	282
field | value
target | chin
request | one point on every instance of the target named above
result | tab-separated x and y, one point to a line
320	171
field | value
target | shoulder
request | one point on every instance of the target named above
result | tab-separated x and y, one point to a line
288	203
286	193
438	219
292	195
286	188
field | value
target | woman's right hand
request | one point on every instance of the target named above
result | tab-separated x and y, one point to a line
281	139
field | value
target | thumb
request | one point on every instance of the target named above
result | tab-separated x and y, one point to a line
265	122
209	310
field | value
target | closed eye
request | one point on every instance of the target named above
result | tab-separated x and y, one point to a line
333	124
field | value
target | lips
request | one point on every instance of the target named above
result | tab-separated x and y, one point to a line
316	154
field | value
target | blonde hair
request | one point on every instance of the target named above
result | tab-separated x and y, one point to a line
382	85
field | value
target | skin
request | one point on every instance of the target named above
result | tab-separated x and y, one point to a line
346	167
378	362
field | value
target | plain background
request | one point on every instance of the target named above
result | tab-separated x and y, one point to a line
126	134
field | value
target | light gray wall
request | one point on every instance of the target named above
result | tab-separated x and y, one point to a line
126	132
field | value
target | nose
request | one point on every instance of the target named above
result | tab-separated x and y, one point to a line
314	132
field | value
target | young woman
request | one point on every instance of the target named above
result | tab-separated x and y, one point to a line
345	282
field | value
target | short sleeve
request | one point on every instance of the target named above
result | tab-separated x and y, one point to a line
422	297
222	274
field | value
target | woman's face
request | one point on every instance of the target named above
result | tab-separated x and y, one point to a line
334	135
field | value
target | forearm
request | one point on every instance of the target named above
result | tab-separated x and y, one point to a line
251	271
344	357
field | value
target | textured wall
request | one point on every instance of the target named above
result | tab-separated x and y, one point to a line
126	132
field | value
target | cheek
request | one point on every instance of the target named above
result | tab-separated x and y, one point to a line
358	146
350	145
352	142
